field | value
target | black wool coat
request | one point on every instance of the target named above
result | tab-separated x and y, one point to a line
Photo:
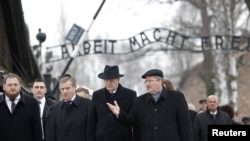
108	128
203	119
167	119
24	124
48	103
74	125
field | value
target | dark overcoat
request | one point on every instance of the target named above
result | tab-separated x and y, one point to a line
192	114
74	125
24	123
48	103
203	119
108	128
167	119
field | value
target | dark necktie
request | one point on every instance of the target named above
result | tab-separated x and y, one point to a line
111	97
39	102
66	105
112	94
13	105
64	110
214	116
68	102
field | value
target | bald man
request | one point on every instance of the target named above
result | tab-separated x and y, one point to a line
212	116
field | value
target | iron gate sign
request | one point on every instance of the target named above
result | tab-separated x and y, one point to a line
162	36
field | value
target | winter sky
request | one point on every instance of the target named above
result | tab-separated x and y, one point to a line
118	19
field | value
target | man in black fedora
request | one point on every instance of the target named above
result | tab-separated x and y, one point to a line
108	128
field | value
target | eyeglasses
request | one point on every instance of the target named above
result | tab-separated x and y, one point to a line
149	81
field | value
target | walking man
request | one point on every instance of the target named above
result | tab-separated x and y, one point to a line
71	118
108	128
158	115
39	90
19	113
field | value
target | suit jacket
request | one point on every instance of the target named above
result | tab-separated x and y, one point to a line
72	124
166	119
108	128
24	123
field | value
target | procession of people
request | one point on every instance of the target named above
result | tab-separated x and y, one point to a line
114	112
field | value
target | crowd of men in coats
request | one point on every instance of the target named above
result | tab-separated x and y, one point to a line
114	112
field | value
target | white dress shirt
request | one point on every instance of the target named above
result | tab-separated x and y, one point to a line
8	101
42	104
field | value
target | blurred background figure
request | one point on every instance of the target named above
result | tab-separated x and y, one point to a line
203	105
191	106
230	110
168	84
192	112
246	120
83	92
212	116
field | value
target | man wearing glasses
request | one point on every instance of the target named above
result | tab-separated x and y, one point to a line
159	114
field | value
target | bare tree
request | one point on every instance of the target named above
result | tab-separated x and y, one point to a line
206	18
248	4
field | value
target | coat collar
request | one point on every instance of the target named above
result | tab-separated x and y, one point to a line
22	99
76	100
164	94
118	91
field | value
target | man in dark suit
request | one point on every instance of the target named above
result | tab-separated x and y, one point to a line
71	118
39	90
19	113
211	116
108	128
158	115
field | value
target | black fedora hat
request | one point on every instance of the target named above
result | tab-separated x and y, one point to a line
110	72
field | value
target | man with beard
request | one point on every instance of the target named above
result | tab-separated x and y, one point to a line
20	116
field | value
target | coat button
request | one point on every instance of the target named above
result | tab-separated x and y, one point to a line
155	128
155	110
